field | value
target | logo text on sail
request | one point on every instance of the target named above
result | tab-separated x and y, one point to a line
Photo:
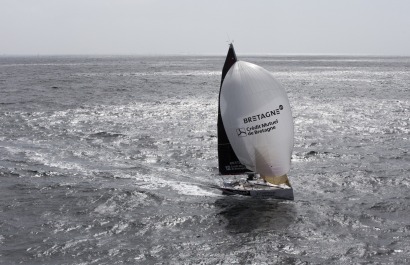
263	115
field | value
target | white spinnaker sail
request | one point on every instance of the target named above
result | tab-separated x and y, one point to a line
257	118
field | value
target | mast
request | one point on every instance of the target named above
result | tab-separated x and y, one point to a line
228	161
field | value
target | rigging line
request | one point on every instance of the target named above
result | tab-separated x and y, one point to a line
229	39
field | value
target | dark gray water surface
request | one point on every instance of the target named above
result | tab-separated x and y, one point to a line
108	160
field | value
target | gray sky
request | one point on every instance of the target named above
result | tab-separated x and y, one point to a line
379	27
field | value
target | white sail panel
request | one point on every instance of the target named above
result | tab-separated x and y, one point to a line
257	118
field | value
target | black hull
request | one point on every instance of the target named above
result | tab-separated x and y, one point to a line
274	193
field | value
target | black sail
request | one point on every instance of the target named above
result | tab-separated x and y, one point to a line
228	161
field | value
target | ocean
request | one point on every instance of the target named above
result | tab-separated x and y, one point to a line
111	159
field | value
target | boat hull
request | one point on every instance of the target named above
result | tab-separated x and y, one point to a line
282	194
257	191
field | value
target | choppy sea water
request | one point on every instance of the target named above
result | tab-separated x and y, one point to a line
108	160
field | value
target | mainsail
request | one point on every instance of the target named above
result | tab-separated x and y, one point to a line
255	114
228	161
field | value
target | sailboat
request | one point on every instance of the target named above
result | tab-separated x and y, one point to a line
255	131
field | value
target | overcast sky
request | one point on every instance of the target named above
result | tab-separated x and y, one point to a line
379	27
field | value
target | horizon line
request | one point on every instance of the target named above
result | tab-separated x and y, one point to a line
199	54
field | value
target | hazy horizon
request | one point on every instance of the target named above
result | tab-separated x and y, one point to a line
200	55
183	27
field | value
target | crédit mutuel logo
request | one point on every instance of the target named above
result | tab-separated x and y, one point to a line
241	132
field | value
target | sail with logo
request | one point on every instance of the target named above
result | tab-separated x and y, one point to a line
255	131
